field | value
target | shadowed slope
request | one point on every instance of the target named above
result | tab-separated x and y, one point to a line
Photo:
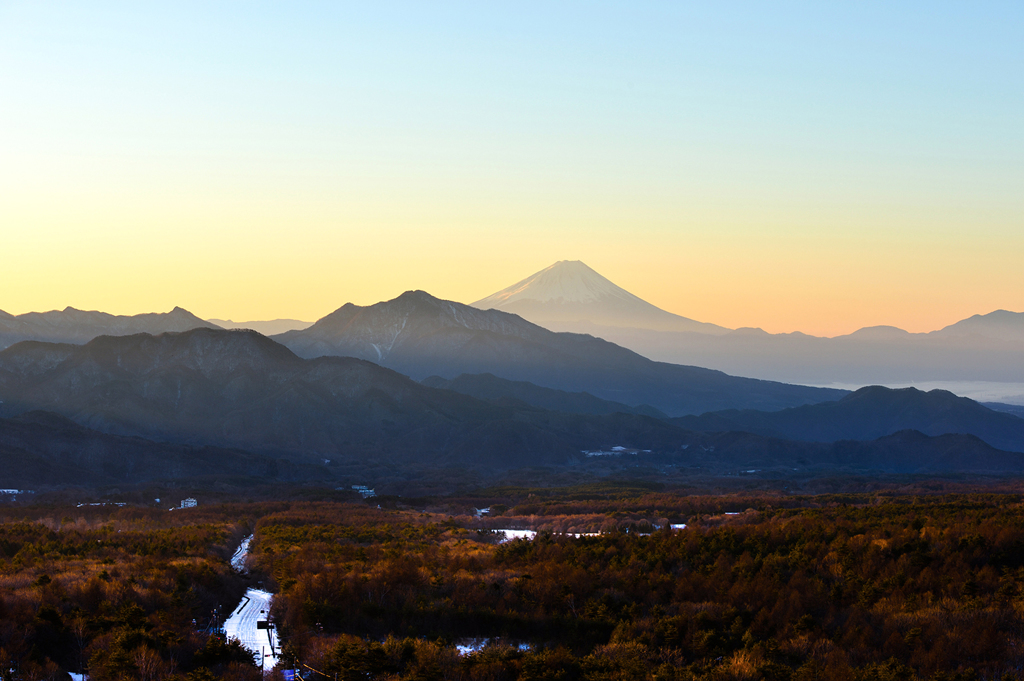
44	449
241	389
420	336
490	387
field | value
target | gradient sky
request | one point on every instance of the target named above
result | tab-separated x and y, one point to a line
794	166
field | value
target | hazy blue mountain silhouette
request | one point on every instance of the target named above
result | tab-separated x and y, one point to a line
571	297
266	327
903	452
420	336
998	325
241	389
238	390
871	413
41	449
81	326
871	355
490	387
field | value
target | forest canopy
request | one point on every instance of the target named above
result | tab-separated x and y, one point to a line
868	586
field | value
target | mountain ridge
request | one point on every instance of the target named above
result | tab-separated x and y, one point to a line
239	389
242	392
419	335
871	413
72	325
267	327
490	387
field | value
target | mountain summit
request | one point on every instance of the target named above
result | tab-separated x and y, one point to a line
571	292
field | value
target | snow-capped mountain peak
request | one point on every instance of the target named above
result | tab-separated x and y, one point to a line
571	293
567	281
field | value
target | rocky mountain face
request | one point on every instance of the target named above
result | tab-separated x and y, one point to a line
79	326
569	291
871	413
420	336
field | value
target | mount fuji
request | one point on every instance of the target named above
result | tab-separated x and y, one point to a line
980	357
569	292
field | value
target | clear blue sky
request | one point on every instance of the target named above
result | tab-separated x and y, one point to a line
813	166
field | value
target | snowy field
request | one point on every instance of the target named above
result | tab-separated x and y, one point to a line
530	534
238	560
468	646
517	534
241	626
253	608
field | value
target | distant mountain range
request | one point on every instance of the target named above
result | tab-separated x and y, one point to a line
571	297
100	399
151	407
79	326
907	452
871	413
420	336
240	389
267	328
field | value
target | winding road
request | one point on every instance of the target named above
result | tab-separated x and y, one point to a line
254	608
